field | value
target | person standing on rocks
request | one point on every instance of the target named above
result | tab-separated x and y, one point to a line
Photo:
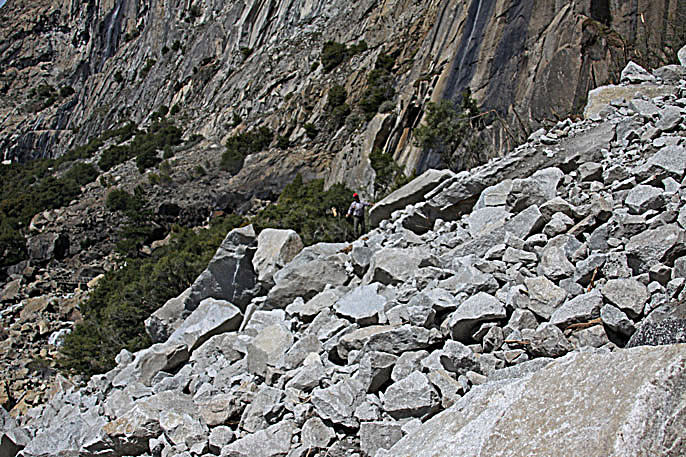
356	210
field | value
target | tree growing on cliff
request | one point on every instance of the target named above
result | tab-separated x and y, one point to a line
453	132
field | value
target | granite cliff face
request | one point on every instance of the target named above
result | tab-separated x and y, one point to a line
124	59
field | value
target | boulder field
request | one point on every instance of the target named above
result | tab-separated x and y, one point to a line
533	306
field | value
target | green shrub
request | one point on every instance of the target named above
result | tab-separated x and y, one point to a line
148	66
121	200
389	175
176	46
114	314
333	54
282	142
238	147
306	208
311	131
175	109
165	49
380	86
452	132
66	91
245	52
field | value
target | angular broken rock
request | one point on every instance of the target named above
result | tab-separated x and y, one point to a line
393	266
458	358
338	402
379	435
211	317
668	331
387	338
617	321
362	304
258	414
316	434
546	341
580	309
642	198
275	248
268	348
544	296
274	441
309	273
413	396
627	294
409	194
479	308
641	392
149	362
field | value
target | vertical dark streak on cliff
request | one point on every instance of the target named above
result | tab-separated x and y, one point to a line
464	60
508	58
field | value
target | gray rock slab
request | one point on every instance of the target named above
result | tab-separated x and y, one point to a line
316	434
392	266
375	370
682	56
668	161
149	362
554	264
362	304
338	402
582	308
629	295
544	296
669	119
635	74
642	198
546	341
306	311
407	363
260	410
275	248
617	321
387	338
229	276
479	308
439	299
211	317
268	348
411	193
458	358
309	273
413	396
481	220
379	435
640	393
274	441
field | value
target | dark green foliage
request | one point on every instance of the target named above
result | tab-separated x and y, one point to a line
453	132
333	53
245	52
306	208
82	173
389	175
161	112
176	46
380	86
238	147
282	142
148	66
115	312
175	109
119	77
162	135
165	49
311	130
336	106
195	12
120	200
66	91
27	189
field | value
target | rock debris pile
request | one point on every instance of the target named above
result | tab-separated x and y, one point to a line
490	313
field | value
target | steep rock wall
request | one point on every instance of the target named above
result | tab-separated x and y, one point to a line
526	61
